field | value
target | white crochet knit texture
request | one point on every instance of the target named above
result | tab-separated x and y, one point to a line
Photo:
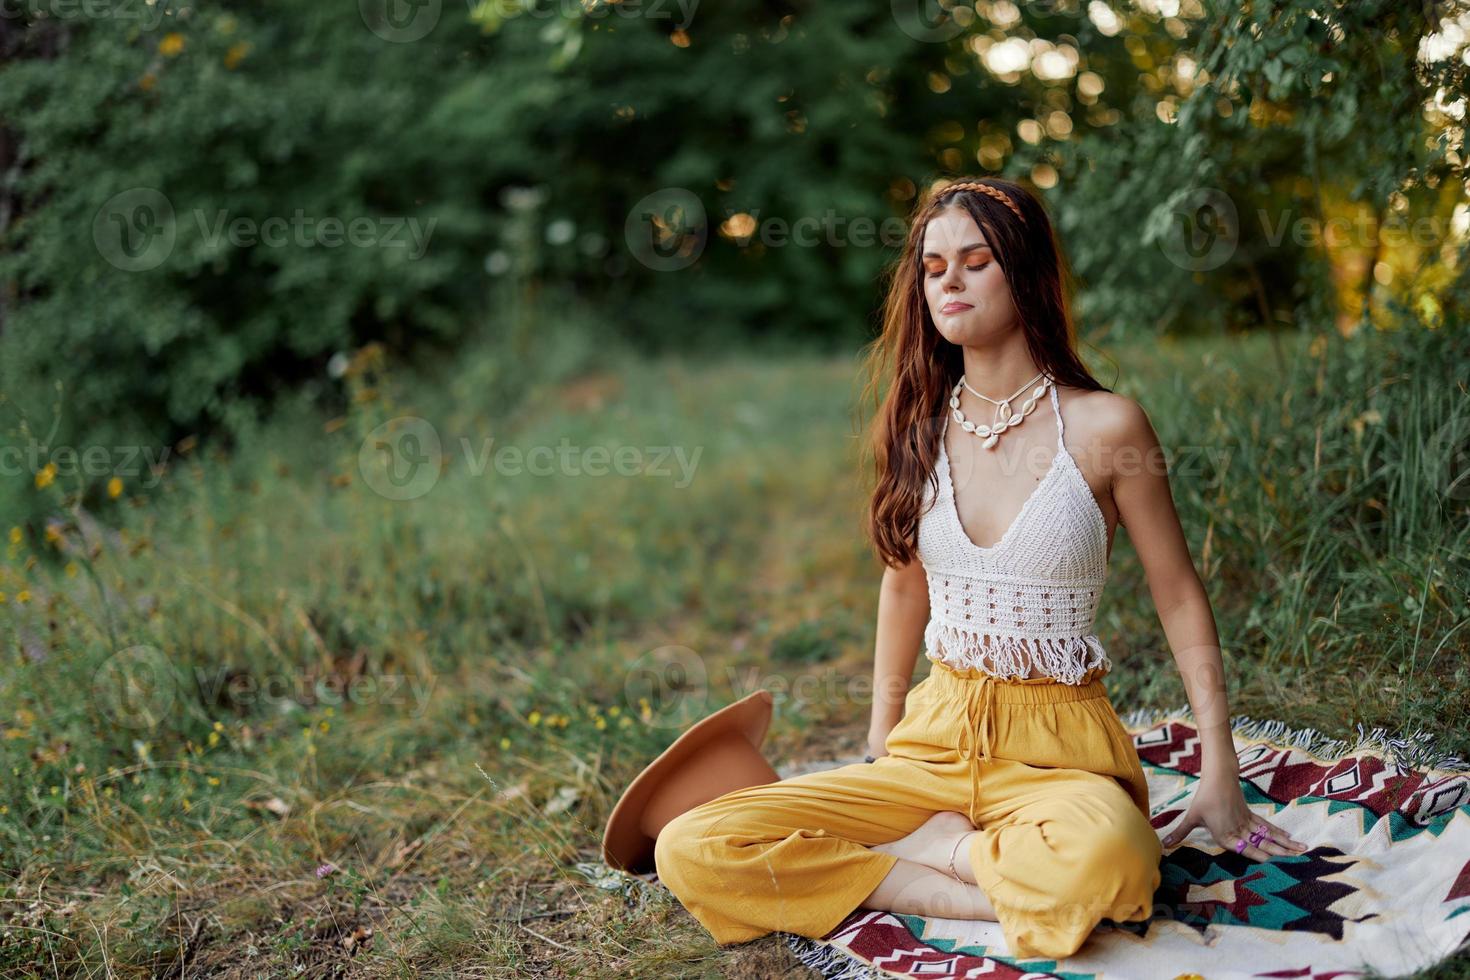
1030	599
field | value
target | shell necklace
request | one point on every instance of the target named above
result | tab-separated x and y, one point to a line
1004	417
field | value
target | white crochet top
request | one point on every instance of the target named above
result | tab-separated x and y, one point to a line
1029	599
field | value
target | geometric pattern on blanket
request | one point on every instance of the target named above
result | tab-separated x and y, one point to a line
1384	884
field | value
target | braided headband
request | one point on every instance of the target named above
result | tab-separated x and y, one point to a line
971	185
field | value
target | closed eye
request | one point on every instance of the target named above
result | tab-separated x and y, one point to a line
968	268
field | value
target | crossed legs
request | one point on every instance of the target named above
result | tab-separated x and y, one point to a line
1058	850
920	883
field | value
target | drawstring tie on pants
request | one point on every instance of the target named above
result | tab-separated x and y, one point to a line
979	701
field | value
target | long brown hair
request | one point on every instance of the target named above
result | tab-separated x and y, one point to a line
917	366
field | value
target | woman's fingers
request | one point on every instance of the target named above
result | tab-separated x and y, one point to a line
1255	853
1181	830
1278	849
1282	837
1276	843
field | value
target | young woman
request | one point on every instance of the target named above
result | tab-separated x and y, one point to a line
1003	786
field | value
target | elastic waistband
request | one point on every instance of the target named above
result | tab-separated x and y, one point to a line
1030	690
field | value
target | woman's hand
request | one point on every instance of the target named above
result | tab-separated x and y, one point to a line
1220	805
877	743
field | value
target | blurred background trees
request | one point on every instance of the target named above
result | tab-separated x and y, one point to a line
687	177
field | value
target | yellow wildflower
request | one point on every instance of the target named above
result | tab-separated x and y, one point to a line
171	45
505	743
534	718
16	535
324	726
71	569
45	475
52	535
236	54
23	596
115	487
601	723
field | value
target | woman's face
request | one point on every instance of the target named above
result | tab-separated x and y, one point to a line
968	296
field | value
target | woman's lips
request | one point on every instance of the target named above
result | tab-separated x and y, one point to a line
954	307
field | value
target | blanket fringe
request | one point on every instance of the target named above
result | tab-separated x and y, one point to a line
1419	751
830	962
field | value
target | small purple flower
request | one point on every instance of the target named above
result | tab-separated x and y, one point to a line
325	870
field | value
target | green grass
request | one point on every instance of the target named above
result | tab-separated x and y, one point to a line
497	633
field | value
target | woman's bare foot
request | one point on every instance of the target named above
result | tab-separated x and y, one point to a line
934	842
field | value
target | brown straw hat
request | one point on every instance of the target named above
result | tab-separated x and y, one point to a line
717	755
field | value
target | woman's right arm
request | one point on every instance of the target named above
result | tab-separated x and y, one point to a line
903	612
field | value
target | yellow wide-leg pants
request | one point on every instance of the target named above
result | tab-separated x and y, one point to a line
1045	770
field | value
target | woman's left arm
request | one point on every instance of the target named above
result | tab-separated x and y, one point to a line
1139	480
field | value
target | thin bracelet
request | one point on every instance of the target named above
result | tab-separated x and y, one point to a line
955	850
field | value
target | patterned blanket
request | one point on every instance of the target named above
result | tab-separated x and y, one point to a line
1384	885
